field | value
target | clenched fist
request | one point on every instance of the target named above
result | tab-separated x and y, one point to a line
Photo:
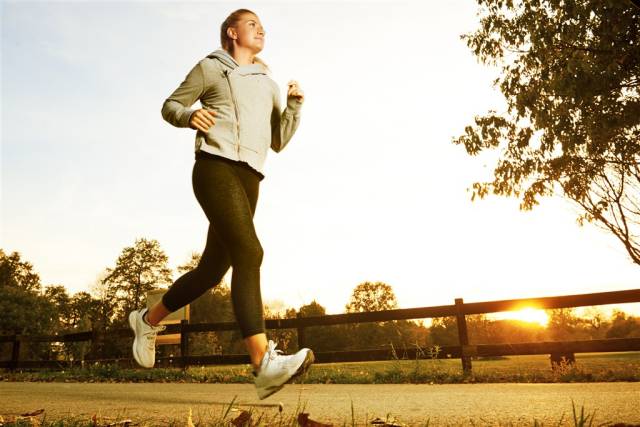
294	91
202	119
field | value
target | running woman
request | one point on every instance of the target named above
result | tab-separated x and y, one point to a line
239	121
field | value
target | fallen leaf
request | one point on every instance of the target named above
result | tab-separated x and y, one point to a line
305	421
33	414
242	419
386	423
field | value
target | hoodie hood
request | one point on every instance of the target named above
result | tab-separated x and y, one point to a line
228	60
224	57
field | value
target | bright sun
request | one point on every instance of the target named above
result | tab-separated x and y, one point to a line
528	315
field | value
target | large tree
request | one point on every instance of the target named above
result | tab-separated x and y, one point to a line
378	296
23	307
324	338
571	80
139	269
371	296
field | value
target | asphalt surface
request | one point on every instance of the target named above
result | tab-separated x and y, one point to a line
412	404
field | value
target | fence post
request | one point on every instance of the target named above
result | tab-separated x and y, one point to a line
300	333
184	344
463	337
15	353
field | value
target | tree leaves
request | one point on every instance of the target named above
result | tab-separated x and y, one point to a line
372	296
571	69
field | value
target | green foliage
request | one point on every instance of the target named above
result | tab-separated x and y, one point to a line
53	311
323	338
18	274
371	296
589	367
139	269
623	326
23	307
571	80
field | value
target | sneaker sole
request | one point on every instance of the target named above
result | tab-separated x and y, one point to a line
270	391
304	367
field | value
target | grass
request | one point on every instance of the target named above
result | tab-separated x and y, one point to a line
231	415
589	367
622	366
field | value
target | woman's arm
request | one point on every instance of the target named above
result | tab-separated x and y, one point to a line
177	107
284	124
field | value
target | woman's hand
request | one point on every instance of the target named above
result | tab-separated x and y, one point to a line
202	119
294	91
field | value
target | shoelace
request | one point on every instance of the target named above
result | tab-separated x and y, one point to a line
273	353
151	336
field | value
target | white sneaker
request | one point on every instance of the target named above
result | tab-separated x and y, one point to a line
276	369
144	343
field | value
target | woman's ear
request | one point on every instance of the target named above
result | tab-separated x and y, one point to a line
231	33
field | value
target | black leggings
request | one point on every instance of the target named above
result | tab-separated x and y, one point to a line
227	192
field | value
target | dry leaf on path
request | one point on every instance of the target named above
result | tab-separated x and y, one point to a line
304	421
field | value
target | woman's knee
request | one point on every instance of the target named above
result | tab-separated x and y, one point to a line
250	252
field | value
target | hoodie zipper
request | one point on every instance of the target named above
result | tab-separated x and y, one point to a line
235	109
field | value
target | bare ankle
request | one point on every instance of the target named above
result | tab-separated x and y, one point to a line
145	318
256	363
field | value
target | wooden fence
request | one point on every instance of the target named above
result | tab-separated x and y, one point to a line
464	351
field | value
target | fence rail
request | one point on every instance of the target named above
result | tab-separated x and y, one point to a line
464	351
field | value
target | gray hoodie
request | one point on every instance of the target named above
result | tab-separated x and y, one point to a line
247	103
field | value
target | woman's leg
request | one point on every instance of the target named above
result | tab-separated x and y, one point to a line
228	195
215	260
214	264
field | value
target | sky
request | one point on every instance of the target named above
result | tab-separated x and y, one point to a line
370	188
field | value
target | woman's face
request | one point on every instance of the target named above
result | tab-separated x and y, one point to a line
250	33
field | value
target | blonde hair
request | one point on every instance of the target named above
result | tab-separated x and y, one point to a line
232	20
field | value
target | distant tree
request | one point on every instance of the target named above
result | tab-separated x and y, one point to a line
15	273
286	339
191	264
139	269
623	326
61	305
516	331
23	307
83	312
571	80
314	308
594	323
480	329
106	301
378	296
106	314
564	325
443	331
372	296
323	338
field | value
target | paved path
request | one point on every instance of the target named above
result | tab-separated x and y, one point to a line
443	404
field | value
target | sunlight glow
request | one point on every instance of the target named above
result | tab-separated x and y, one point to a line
529	314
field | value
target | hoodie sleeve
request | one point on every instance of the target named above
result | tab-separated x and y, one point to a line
177	107
283	124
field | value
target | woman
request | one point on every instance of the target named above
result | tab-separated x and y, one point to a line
239	121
